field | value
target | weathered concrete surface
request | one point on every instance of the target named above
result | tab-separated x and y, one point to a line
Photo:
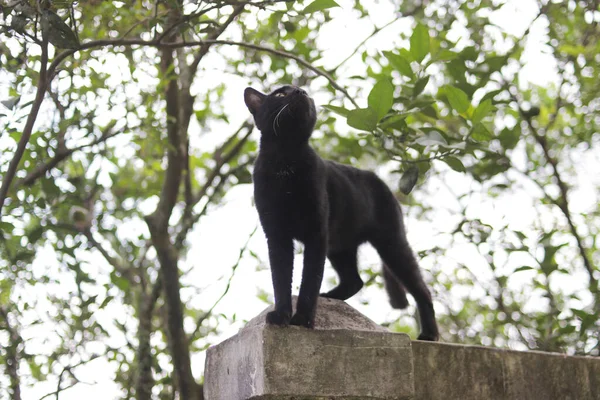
331	314
350	357
329	362
447	371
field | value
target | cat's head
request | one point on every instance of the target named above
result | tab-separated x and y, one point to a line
287	114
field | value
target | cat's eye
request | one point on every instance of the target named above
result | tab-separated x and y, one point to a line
280	94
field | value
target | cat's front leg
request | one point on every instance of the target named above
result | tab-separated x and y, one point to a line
281	257
315	250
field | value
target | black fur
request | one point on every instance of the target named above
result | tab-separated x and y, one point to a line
331	208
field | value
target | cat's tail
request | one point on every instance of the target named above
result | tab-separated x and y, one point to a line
394	289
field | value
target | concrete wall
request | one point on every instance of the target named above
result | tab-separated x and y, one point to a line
349	357
450	371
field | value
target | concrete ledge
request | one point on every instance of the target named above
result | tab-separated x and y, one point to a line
297	363
349	357
449	371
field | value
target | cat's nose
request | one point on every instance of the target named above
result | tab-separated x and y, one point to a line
300	91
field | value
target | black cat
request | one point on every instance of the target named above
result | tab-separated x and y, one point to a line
331	208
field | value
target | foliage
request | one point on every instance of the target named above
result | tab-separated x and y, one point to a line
114	125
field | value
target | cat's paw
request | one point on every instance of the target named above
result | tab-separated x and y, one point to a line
278	318
330	295
302	320
429	337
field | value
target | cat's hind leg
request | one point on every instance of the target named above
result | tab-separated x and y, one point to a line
346	267
394	288
399	258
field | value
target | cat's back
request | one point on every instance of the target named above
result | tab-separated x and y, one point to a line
358	201
351	179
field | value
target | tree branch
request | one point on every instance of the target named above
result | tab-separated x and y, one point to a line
68	369
158	223
12	355
46	76
190	17
31	118
563	202
196	217
154	43
208	313
116	264
376	30
60	156
188	220
214	35
145	380
222	160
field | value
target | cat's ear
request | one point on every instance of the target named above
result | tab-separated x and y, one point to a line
253	99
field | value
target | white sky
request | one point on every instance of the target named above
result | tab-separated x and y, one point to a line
215	244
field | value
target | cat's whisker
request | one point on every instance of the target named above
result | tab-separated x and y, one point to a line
276	120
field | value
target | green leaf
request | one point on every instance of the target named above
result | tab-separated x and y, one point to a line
409	180
458	99
105	302
445	55
496	62
11	102
491	95
523	268
421	102
5	291
419	42
400	64
36	370
319	5
119	281
469	53
35	234
364	119
59	33
481	133
420	86
457	69
6	228
431	138
394	122
509	138
567	329
454	163
338	110
381	98
482	110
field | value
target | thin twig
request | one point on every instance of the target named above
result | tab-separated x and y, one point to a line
12	355
563	202
35	108
208	313
116	264
153	43
68	369
42	169
188	220
376	30
46	75
211	199
214	35
190	17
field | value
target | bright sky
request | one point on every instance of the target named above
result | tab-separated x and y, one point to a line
220	235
